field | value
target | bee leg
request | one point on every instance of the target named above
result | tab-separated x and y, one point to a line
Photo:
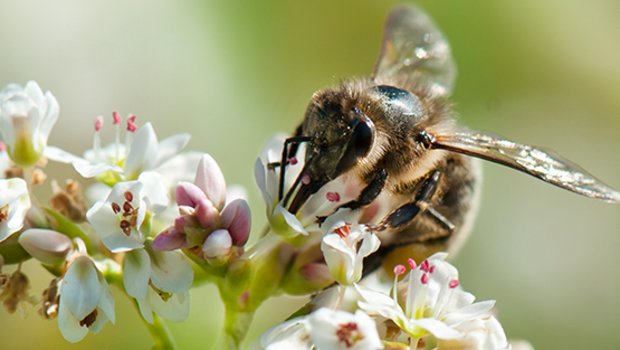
294	141
407	212
369	193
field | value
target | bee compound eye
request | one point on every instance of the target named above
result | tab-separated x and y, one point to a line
358	144
400	101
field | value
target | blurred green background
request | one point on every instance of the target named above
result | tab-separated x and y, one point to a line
234	72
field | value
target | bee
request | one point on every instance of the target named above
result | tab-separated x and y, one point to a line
396	134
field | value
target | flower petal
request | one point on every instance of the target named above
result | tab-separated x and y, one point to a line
80	289
171	272
210	179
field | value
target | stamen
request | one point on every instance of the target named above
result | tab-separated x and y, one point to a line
343	231
424	279
116	121
411	263
425	266
116	208
131	123
89	319
4	213
349	334
116	118
399	270
432	269
125	227
127	208
453	283
128	196
97	137
292	160
98	123
333	196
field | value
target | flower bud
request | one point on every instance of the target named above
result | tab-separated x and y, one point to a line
236	217
207	214
188	194
169	239
217	245
47	246
210	179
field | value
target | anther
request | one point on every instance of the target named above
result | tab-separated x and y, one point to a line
116	208
292	160
411	263
399	270
332	196
127	208
116	118
98	123
453	283
126	227
128	196
343	231
424	279
131	123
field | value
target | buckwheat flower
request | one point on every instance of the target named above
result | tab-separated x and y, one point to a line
27	116
118	219
14	204
85	301
345	248
335	329
323	203
324	329
159	281
141	151
428	302
292	334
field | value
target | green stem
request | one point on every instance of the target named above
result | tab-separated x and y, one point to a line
160	333
236	325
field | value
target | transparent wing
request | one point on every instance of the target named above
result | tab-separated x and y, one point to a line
542	164
414	48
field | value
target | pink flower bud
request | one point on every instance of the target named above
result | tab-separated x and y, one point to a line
210	179
236	217
189	194
169	239
47	246
207	214
217	244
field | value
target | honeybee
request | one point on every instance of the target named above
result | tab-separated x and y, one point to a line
396	134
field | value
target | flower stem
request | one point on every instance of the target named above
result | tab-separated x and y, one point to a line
161	334
236	325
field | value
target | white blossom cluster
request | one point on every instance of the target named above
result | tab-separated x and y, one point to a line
154	214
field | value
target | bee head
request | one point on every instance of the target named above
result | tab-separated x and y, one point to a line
339	135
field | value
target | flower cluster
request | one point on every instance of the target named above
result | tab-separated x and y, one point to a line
155	214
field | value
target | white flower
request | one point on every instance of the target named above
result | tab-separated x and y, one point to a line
118	219
27	116
127	161
5	161
345	248
322	203
85	300
292	334
335	329
433	302
14	204
159	281
324	329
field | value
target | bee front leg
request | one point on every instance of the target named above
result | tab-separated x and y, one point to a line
370	192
